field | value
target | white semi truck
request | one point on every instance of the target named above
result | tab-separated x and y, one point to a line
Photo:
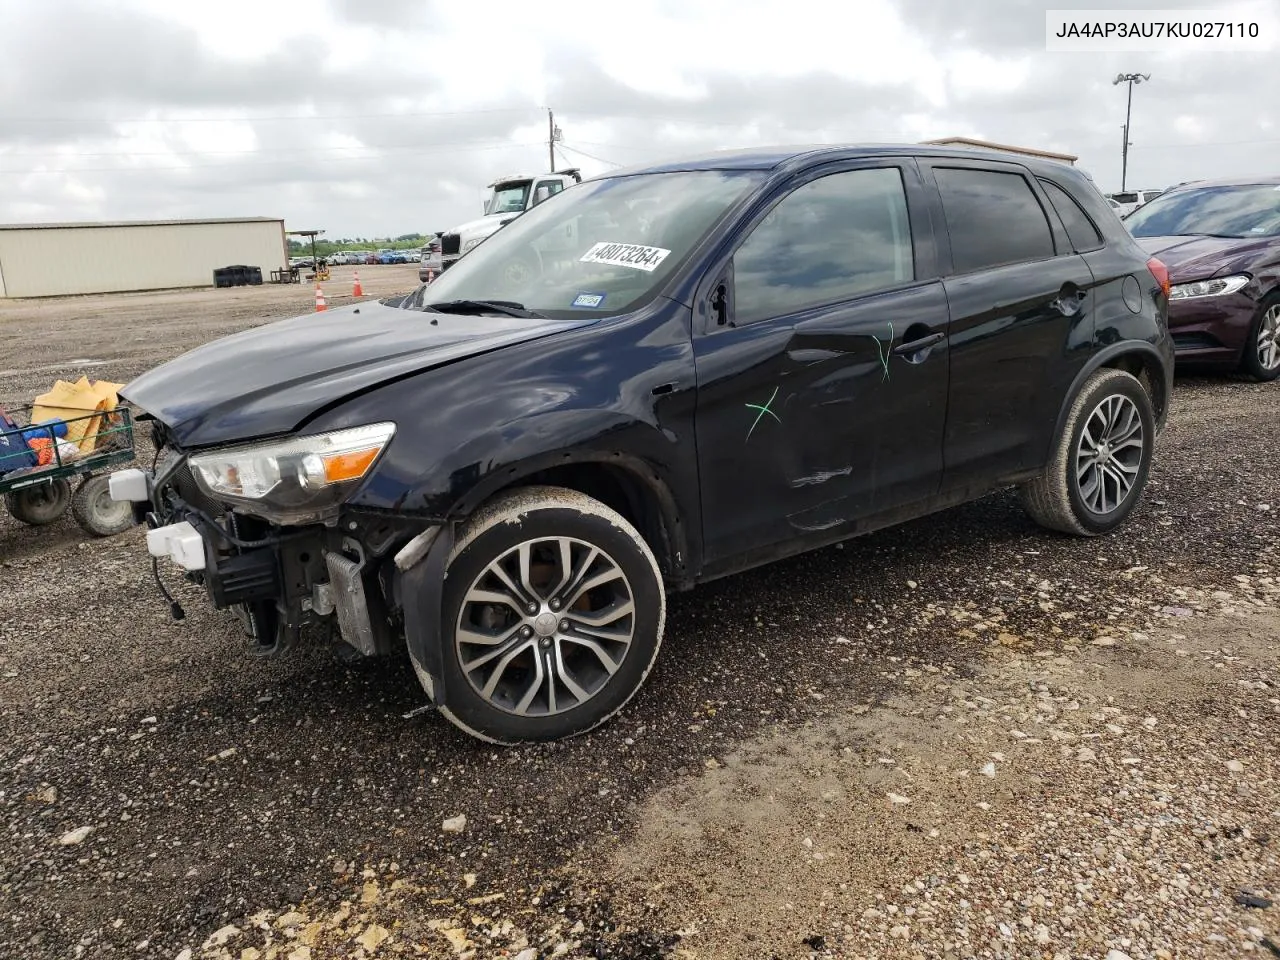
508	197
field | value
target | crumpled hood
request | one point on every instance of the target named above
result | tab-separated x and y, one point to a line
1198	258
268	380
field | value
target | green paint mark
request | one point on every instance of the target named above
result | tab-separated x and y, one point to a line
883	350
763	410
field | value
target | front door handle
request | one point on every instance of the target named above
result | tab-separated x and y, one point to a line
909	347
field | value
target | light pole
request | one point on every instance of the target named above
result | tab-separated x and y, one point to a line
1130	79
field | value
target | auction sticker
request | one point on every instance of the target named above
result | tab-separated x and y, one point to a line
633	255
589	301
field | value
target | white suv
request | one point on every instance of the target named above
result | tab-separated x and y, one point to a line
1131	200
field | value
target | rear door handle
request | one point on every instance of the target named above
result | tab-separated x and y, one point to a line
1068	304
915	346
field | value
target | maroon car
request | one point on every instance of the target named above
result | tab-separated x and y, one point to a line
1220	240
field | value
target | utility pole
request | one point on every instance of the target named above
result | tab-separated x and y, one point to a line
553	135
1130	79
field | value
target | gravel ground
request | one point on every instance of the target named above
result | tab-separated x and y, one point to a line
162	796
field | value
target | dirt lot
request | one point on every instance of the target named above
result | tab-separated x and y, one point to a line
959	738
118	336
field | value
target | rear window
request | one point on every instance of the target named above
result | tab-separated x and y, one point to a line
993	218
1125	197
1080	229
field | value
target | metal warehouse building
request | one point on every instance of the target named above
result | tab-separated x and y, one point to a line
55	259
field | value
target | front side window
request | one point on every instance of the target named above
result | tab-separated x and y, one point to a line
993	219
546	189
601	246
841	236
1238	212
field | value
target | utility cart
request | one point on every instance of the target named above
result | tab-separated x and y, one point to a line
36	481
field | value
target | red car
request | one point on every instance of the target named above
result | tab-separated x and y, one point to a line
1221	242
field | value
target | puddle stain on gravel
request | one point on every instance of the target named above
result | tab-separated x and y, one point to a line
794	833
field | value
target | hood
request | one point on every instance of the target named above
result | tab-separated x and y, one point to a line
1197	258
268	380
489	223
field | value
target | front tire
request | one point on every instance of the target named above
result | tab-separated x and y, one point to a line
553	614
1261	358
1100	463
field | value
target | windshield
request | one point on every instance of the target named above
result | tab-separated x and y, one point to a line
509	198
1239	212
603	246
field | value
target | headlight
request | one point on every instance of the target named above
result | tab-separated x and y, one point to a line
1208	288
471	244
297	481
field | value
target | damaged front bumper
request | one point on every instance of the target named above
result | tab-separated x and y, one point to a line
344	574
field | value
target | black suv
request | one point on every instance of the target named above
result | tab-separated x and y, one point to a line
653	379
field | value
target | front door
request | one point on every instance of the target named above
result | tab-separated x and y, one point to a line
822	365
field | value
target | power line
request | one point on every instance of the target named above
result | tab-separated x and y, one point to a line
301	151
250	163
281	117
583	153
1218	143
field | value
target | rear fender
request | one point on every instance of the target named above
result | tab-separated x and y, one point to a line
1150	359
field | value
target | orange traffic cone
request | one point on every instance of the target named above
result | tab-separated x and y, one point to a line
357	290
320	304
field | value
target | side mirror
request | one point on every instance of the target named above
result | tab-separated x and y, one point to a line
542	193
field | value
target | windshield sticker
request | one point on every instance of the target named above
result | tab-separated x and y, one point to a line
633	255
588	301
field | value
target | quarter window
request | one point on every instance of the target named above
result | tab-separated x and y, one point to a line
1080	229
841	236
993	219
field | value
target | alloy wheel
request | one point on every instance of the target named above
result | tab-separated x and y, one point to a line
1269	339
545	626
1109	456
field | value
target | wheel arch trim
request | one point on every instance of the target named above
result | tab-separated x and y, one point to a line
1145	353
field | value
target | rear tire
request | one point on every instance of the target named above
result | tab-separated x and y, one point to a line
1260	360
39	505
1100	463
96	512
553	614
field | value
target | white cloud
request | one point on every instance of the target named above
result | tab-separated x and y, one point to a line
386	117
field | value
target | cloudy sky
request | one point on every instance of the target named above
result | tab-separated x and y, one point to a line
381	117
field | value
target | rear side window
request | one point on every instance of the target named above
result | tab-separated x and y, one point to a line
1080	229
993	218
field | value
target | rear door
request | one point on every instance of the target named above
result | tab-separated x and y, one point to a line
1021	319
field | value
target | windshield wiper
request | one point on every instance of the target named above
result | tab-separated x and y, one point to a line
507	308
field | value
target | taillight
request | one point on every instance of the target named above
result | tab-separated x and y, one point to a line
1160	272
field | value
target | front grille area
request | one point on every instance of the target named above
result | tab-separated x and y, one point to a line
450	244
184	483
